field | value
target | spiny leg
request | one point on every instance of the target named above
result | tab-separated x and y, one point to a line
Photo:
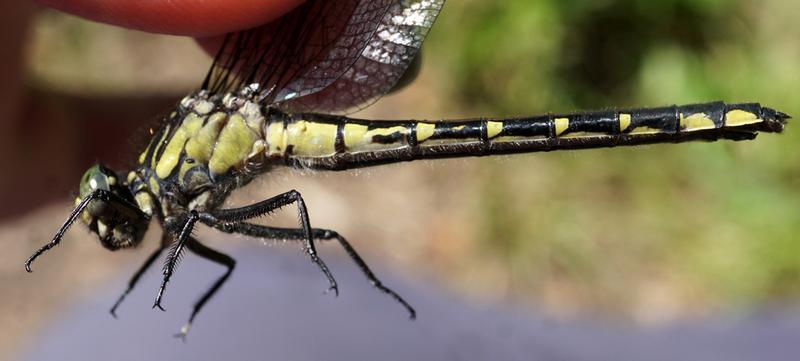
136	276
277	233
223	259
235	215
109	198
175	254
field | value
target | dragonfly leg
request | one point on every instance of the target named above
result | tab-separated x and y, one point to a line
295	234
104	196
136	276
201	250
235	215
175	254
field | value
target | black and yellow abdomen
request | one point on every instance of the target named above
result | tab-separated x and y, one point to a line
330	142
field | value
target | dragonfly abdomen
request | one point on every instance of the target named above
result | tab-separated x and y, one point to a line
329	142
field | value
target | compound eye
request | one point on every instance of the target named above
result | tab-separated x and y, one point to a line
97	177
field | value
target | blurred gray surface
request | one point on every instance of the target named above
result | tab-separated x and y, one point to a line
273	308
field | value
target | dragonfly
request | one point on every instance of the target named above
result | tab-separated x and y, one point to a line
277	95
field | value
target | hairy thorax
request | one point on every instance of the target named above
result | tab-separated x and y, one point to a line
208	146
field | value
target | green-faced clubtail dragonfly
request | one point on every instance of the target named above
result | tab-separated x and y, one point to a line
266	102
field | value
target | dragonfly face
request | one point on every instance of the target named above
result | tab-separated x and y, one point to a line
118	225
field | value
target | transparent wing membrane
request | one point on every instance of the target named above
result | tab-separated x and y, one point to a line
326	56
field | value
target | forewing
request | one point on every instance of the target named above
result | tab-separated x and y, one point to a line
324	56
378	63
274	54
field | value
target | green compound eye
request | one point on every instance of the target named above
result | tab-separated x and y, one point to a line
96	177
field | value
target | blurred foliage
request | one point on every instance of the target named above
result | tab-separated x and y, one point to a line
711	223
80	57
708	223
650	232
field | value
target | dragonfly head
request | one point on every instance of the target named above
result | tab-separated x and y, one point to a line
113	214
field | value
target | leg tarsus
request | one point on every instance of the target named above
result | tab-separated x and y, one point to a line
183	332
201	250
362	265
175	254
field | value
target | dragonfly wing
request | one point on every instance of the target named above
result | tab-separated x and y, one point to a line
274	54
325	55
375	66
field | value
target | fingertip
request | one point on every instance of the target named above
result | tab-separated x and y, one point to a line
198	18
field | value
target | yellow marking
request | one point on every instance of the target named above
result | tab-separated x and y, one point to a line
200	200
624	122
252	115
203	107
258	148
154	187
562	124
145	202
585	135
85	216
228	100
458	128
142	198
493	129
355	136
102	229
160	144
276	139
131	177
143	155
697	121
739	117
172	153
185	167
424	131
186	102
192	181
234	143
201	145
311	139
646	130
358	137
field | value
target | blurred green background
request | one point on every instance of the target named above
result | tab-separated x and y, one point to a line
682	227
648	234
